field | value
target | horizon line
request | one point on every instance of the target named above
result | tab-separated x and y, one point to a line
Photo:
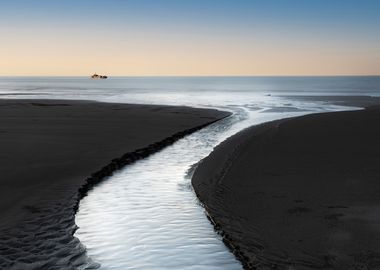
157	76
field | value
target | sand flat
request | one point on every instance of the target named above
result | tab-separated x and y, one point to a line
48	149
299	193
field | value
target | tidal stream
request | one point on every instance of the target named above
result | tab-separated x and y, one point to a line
147	216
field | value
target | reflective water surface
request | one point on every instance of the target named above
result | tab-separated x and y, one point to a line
147	216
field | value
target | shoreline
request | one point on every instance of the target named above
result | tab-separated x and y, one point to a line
54	226
230	148
229	205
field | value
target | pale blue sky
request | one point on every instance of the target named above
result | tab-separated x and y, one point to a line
228	37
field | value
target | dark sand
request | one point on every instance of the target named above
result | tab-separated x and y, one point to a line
301	193
49	148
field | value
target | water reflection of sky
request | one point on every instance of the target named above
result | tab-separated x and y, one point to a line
147	216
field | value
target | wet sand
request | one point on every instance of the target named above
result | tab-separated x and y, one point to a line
50	149
299	193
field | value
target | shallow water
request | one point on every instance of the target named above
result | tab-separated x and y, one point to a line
191	91
146	216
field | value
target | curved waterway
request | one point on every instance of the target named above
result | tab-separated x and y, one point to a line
147	216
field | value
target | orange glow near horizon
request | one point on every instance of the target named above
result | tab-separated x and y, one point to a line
156	58
214	45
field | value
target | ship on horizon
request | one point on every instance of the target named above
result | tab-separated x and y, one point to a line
96	76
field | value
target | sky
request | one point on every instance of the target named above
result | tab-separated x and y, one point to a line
189	38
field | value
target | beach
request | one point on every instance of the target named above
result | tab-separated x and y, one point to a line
298	193
54	151
190	135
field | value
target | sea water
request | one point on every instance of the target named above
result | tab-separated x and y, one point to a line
146	216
